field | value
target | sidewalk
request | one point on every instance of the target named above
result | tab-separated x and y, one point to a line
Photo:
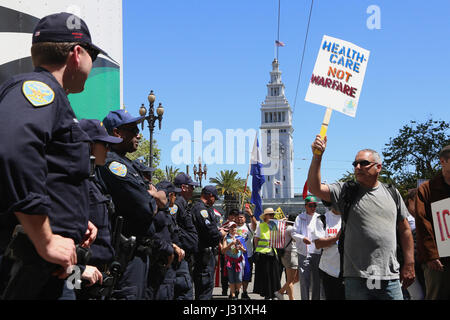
217	292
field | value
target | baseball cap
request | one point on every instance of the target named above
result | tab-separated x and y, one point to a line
167	187
142	167
63	27
309	199
97	131
211	190
118	118
183	178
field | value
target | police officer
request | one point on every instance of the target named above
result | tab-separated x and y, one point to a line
166	230
188	236
44	157
209	237
133	200
102	252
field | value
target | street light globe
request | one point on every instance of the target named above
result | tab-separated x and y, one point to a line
160	110
151	97
142	110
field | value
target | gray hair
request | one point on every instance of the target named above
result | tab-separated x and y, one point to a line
375	155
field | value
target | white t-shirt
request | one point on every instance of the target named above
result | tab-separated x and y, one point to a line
290	241
301	231
247	234
330	259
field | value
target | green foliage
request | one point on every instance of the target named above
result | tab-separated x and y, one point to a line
171	173
412	155
231	187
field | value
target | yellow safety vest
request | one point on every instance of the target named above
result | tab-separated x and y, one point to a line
263	245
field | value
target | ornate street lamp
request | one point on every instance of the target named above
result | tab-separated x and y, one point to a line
151	119
199	173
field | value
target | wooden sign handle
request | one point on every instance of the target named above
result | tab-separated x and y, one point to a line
324	127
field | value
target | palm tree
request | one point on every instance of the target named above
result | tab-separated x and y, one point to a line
171	173
231	187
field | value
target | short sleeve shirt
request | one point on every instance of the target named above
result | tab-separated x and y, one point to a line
370	234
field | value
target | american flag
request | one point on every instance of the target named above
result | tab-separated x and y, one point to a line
277	233
279	43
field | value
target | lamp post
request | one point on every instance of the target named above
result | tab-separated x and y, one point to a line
199	173
151	119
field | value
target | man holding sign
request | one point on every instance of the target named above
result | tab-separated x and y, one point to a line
432	227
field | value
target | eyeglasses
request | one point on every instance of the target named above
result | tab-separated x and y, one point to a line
362	163
134	130
93	53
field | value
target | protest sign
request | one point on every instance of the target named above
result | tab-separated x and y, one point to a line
440	211
338	75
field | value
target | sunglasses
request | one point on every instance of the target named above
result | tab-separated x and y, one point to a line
311	205
93	53
134	130
362	163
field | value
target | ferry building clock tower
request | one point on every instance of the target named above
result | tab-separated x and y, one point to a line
278	149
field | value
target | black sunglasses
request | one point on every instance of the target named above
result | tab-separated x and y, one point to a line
362	163
93	53
312	205
134	130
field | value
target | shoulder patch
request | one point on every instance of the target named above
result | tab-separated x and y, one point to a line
174	209
118	169
38	93
204	214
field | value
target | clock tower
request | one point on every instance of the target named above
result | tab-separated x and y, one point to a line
277	149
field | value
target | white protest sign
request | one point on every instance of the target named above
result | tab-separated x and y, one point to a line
338	75
440	211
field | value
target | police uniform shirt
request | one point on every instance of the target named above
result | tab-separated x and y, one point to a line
129	193
44	154
162	232
205	222
101	250
188	232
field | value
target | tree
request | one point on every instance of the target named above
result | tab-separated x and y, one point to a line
412	155
231	187
171	173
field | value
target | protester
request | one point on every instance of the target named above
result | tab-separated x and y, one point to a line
436	268
267	273
325	235
247	231
232	217
233	247
308	254
371	269
290	262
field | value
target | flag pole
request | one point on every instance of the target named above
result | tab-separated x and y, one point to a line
324	127
246	181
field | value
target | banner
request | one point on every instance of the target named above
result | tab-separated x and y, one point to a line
338	75
440	211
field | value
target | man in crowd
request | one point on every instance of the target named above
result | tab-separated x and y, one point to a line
371	269
436	268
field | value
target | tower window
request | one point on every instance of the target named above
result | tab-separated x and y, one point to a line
266	117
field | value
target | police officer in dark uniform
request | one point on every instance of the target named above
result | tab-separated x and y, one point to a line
133	200
209	237
184	289
100	207
166	230
44	158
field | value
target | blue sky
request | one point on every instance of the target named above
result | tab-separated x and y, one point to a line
210	60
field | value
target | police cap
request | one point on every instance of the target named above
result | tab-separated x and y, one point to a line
142	167
167	187
63	27
211	190
97	132
118	118
183	178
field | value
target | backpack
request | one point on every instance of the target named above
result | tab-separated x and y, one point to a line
348	197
